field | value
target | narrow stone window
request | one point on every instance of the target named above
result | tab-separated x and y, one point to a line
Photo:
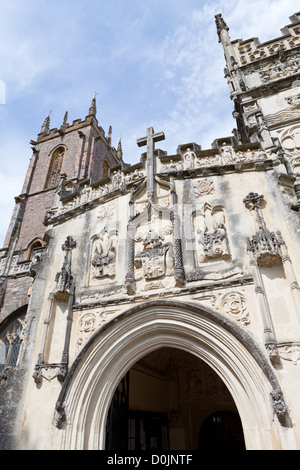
55	167
105	169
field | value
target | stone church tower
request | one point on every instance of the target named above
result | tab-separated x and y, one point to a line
156	305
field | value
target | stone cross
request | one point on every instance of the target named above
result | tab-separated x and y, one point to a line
254	201
149	140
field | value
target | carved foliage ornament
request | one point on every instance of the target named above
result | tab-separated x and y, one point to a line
87	323
106	212
233	304
203	187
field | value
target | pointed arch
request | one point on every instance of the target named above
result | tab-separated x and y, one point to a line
87	392
56	162
11	338
35	244
105	169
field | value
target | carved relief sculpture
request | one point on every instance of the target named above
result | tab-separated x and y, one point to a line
156	257
234	304
227	154
153	238
104	254
281	69
288	113
290	140
203	187
212	235
189	159
264	245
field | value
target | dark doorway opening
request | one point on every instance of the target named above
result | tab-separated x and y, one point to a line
165	402
222	430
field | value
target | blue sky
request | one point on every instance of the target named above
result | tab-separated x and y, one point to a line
153	63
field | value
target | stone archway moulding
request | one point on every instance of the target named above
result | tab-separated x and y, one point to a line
84	401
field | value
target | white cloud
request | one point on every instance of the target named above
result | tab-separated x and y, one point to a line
192	64
12	175
263	19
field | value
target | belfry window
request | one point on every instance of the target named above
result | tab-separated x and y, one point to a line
10	341
105	169
55	167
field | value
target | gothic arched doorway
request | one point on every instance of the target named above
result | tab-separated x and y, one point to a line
220	344
162	404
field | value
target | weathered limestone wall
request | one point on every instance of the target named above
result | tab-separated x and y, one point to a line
216	222
212	234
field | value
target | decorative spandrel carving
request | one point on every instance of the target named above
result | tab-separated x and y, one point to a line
104	254
212	239
232	303
89	322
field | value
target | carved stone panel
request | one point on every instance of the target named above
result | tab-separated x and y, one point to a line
280	69
231	303
203	187
87	323
153	251
290	352
211	234
104	251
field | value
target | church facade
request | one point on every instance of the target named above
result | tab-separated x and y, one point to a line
156	305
